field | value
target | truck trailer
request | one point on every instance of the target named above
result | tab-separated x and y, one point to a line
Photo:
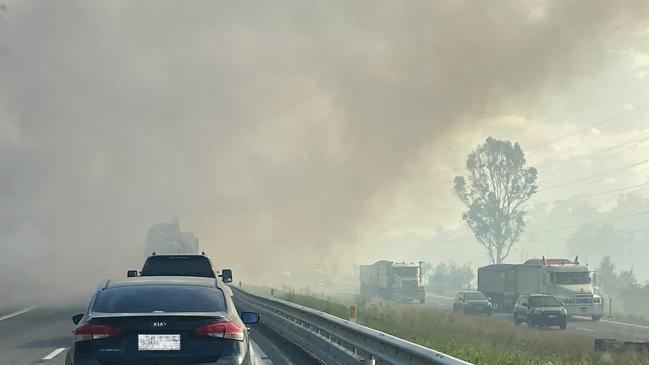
167	239
567	280
392	281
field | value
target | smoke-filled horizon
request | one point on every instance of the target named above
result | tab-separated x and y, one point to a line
269	129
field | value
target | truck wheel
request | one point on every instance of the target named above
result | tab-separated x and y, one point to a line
563	325
596	318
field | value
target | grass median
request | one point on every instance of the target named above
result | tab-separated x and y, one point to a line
479	340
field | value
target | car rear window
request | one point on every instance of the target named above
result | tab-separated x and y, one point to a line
178	266
474	296
162	298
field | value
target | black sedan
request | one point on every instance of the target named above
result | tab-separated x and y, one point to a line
162	320
472	302
540	310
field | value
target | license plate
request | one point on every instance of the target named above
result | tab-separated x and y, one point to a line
158	342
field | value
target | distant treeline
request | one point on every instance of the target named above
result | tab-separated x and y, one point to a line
446	279
629	296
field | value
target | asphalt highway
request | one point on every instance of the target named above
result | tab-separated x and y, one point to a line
41	335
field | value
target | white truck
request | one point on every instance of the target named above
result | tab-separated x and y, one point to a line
567	280
167	239
398	281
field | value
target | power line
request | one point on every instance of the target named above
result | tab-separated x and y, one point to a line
591	222
581	196
569	238
605	120
595	176
551	163
532	240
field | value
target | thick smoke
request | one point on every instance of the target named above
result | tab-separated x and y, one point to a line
267	128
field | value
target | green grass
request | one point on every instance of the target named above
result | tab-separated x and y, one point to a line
479	340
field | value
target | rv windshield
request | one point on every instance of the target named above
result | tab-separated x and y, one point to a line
572	278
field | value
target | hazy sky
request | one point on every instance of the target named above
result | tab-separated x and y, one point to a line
288	132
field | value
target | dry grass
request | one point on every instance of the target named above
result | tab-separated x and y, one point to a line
475	339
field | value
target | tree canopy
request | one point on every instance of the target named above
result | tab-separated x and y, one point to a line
495	191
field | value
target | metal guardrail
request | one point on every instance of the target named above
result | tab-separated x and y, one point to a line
337	341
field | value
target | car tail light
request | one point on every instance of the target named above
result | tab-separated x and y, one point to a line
89	331
227	329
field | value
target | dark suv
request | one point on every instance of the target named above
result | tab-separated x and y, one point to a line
181	265
474	302
540	310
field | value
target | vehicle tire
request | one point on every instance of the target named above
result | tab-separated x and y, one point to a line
563	325
596	318
516	321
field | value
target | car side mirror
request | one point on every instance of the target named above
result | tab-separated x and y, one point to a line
250	317
226	275
131	273
77	318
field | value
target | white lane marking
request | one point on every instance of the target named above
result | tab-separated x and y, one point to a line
53	354
625	324
586	329
439	296
616	322
261	356
14	314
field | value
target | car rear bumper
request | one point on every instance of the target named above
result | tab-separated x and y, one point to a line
546	320
230	360
476	310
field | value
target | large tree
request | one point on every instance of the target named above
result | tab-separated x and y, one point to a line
495	192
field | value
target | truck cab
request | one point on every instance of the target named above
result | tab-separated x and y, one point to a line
572	285
398	281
